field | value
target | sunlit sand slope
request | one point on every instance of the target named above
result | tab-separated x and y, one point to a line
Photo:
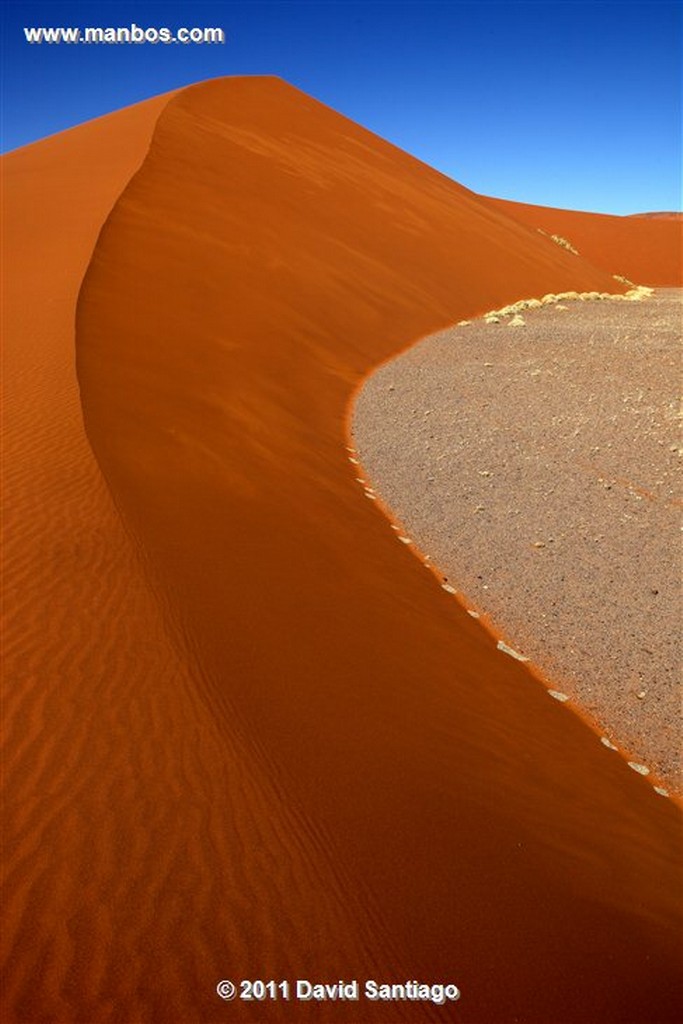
647	249
267	256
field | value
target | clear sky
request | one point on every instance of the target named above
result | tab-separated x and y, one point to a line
571	104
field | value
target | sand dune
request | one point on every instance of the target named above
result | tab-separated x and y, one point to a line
247	735
647	249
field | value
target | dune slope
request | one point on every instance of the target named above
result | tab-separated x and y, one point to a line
647	249
125	803
266	257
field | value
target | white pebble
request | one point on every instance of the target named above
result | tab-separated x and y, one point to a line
640	768
661	791
562	697
607	743
509	650
475	615
405	540
449	588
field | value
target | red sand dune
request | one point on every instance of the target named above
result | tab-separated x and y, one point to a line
248	735
647	249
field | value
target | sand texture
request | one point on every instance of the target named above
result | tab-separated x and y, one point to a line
247	735
538	467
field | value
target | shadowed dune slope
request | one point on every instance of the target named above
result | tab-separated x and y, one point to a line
647	249
266	257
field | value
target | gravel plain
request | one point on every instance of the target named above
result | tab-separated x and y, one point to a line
537	463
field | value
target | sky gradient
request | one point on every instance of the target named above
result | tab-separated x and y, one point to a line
570	104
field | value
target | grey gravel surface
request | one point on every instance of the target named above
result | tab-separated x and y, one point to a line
537	466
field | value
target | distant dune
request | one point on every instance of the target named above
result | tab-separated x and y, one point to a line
246	734
663	214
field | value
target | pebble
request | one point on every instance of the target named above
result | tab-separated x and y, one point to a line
640	768
558	696
607	743
509	650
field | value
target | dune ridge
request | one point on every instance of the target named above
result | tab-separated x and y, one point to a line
118	788
259	739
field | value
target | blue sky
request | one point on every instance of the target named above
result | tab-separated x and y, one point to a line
571	104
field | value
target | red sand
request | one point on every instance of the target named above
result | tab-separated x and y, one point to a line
263	742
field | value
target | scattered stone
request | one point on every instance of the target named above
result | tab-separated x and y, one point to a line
449	588
538	544
509	650
475	615
640	768
661	790
517	321
607	743
556	695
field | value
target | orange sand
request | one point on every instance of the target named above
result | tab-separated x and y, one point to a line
646	249
249	735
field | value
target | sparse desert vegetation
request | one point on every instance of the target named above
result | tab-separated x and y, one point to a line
559	240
